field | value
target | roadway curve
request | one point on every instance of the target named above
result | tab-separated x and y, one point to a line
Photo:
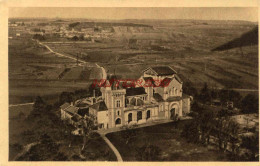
104	74
15	105
116	152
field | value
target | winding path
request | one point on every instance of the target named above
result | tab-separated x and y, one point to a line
15	105
25	150
118	156
104	74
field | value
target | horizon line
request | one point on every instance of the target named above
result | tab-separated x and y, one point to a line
131	19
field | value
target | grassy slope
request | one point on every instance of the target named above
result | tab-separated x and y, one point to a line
24	131
167	138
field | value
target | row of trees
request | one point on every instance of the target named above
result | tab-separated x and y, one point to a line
209	127
248	104
43	113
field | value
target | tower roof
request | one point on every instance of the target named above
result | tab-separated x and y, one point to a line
162	70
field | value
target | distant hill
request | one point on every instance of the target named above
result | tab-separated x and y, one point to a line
247	39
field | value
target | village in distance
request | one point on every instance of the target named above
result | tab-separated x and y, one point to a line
133	90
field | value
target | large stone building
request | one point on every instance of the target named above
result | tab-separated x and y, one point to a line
157	95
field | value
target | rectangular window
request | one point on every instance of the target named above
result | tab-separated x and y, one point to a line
118	104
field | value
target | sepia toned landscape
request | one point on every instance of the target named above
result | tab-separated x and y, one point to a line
53	61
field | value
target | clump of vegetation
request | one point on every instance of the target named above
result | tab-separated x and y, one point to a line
148	153
250	104
39	37
45	149
251	143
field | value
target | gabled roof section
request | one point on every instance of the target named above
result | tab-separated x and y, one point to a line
83	112
72	109
135	91
162	70
76	118
165	82
136	102
64	106
178	78
158	97
149	79
174	98
100	106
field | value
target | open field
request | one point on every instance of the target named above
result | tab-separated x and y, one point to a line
187	44
172	146
184	45
35	71
24	91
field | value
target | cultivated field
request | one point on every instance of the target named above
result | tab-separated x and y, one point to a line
35	71
184	45
187	48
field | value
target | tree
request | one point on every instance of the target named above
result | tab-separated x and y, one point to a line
81	93
66	97
129	133
81	37
195	107
206	124
148	153
61	157
204	95
39	37
88	125
39	105
252	144
233	137
230	95
191	132
250	104
45	149
75	38
188	88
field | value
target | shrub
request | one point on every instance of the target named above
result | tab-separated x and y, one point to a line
148	153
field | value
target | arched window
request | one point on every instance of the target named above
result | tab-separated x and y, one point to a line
130	117
173	113
139	115
176	91
118	112
126	101
118	121
148	114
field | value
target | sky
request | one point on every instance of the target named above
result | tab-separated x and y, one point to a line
199	13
